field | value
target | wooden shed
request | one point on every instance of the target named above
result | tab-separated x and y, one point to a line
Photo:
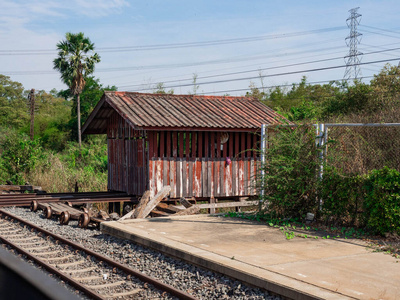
202	146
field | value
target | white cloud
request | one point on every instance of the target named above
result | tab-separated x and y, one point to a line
100	8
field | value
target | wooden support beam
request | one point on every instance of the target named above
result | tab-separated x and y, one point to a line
224	204
167	208
20	188
129	215
185	203
158	213
142	205
212	209
189	211
155	200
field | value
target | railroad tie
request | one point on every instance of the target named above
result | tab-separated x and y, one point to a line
123	294
58	258
22	235
89	278
106	285
22	244
24	238
7	229
81	270
36	248
47	253
71	264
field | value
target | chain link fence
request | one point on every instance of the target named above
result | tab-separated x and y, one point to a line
360	148
353	148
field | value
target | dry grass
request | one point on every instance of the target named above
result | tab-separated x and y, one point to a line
55	177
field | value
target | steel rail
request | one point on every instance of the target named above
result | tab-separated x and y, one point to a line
145	278
64	193
28	201
53	270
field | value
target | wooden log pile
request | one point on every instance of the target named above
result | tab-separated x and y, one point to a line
11	188
154	206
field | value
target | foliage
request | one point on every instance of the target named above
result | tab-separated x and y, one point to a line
195	85
382	201
160	89
13	109
290	178
291	187
19	156
386	86
92	155
305	111
352	99
90	96
58	172
341	196
75	64
51	121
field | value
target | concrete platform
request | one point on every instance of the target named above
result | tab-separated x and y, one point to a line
262	256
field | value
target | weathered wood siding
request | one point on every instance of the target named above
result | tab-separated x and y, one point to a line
194	163
127	157
202	177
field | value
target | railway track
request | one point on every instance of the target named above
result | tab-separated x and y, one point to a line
73	198
94	274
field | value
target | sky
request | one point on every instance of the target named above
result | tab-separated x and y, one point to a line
226	45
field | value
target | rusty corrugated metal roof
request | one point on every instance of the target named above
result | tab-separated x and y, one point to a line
174	112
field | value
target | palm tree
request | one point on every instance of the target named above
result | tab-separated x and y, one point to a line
75	63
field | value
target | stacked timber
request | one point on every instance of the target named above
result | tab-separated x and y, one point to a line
154	207
11	188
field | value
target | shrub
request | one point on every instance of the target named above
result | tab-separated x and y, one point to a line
382	201
341	196
290	179
19	156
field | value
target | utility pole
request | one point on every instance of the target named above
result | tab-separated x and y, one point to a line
31	99
352	40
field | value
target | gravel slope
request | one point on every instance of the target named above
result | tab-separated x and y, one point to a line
199	282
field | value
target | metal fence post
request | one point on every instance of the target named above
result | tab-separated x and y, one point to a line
264	141
320	143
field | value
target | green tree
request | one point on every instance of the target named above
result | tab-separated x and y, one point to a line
90	96
386	85
13	110
51	120
75	63
19	156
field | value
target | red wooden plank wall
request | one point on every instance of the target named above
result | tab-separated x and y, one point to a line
127	157
194	163
202	177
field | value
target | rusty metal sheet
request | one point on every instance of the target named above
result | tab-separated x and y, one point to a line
158	111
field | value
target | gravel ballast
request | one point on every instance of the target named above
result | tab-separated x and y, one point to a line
197	281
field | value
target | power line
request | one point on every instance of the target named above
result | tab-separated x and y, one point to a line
382	34
381	29
274	86
166	66
276	75
180	45
149	67
269	68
